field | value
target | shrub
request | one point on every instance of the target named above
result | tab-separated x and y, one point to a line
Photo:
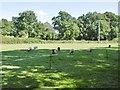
8	40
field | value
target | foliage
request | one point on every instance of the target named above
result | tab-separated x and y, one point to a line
12	40
24	23
65	26
89	27
27	26
7	27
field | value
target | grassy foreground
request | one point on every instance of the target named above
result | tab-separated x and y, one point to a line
22	69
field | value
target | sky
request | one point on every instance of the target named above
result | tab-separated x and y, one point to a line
46	10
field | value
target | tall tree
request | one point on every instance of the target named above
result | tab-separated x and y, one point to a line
7	27
66	26
114	23
24	23
49	33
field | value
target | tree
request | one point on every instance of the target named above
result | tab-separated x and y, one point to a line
49	32
66	26
113	22
105	29
89	30
38	30
86	24
7	28
25	23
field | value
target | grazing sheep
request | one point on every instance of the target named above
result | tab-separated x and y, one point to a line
109	46
89	50
54	51
58	48
35	47
72	51
29	49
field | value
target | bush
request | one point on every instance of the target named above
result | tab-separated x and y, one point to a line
13	40
8	40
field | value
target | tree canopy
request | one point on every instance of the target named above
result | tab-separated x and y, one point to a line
64	26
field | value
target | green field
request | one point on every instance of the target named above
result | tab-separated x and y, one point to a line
76	46
22	69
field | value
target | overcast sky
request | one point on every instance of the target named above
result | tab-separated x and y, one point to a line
46	10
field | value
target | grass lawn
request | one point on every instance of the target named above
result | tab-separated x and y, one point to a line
98	69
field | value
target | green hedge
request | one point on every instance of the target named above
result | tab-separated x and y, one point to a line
12	40
8	40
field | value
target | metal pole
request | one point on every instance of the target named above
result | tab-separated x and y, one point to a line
50	61
98	30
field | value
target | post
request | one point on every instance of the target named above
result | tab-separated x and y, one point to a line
50	61
98	30
107	54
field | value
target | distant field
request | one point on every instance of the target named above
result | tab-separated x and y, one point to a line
76	46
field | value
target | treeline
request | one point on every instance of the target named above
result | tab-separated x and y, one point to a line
64	26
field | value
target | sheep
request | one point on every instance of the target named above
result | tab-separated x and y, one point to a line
35	47
54	51
58	48
29	49
71	51
109	46
89	50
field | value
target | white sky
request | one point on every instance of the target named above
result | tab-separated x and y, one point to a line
46	9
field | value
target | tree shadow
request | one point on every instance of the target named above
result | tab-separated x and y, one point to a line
96	69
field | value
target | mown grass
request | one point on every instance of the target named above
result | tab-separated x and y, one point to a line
76	46
22	69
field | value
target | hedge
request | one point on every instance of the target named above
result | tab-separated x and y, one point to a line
8	40
13	40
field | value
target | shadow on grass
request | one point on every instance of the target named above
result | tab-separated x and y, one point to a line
96	69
